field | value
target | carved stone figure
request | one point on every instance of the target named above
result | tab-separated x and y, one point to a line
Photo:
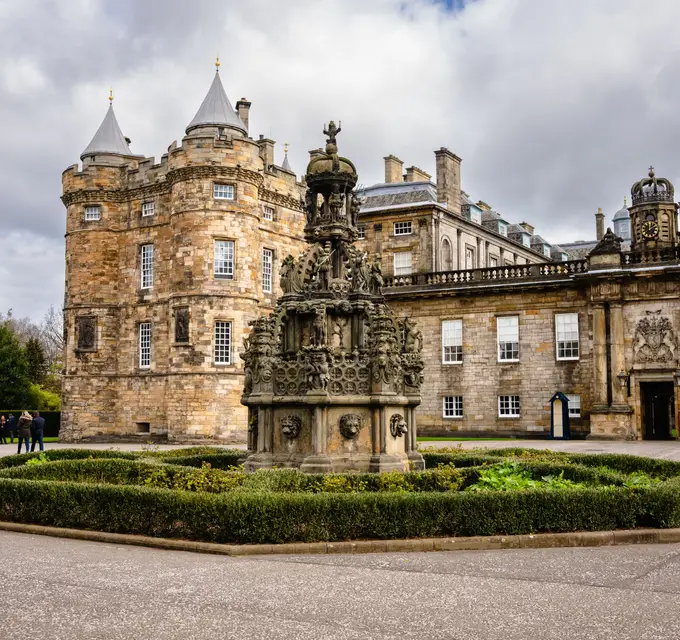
413	338
319	328
290	426
354	208
310	207
350	425
361	273
182	325
331	133
398	425
335	203
288	277
377	280
610	243
654	340
316	371
87	333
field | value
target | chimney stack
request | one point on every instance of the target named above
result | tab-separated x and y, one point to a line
448	179
414	174
394	169
599	224
243	109
529	228
266	151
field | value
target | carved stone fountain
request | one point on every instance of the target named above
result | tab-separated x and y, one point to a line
332	378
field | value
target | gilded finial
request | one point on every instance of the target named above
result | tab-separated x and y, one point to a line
625	201
217	63
111	94
285	147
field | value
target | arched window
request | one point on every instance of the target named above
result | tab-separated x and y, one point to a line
447	256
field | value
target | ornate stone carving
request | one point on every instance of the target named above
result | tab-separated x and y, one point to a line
316	369
87	333
350	425
182	325
610	243
377	280
290	426
398	425
654	340
289	279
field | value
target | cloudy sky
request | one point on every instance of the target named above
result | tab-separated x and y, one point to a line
555	107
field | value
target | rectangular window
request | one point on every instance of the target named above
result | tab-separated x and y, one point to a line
222	342
476	216
148	209
503	228
268	213
526	240
144	345
403	228
223	191
93	212
453	406
493	261
224	259
566	336
508	406
574	405
469	258
361	231
403	263
147	266
546	250
508	338
267	269
452	341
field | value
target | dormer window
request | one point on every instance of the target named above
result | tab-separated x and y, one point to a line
526	240
223	191
546	250
93	212
475	216
503	228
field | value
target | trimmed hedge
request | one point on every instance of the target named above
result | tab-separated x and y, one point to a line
64	454
225	461
251	517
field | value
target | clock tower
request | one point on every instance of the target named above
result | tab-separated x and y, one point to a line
653	214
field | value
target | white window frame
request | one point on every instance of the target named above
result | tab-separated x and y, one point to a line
93	212
504	329
452	341
452	407
404	228
403	269
144	345
546	250
574	405
268	212
470	252
493	261
566	334
146	258
148	209
267	270
222	342
475	216
361	232
224	259
508	406
503	228
222	191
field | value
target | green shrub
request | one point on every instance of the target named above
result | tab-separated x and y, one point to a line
227	459
65	454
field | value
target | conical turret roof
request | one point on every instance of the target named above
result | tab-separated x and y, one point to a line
216	110
286	165
108	139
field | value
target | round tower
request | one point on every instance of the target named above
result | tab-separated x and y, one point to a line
621	221
653	214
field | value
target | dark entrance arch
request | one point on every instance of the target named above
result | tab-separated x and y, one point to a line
658	410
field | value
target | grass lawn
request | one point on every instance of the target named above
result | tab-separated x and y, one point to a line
448	439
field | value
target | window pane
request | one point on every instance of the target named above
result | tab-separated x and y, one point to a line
224	258
93	213
402	228
267	263
223	191
574	405
452	341
453	406
361	230
508	406
147	266
268	213
566	336
508	337
223	342
148	208
145	345
403	263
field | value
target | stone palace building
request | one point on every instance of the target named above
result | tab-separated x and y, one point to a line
167	264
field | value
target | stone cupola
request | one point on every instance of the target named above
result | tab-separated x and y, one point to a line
653	213
332	378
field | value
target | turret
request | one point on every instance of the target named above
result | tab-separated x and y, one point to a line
621	221
653	214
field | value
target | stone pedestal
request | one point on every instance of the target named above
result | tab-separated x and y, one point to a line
613	423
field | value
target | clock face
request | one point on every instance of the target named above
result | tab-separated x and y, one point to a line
650	229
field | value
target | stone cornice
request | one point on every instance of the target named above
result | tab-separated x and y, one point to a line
215	171
272	197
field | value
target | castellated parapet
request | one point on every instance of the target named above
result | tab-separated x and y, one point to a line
160	360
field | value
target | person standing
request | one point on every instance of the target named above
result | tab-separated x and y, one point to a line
11	427
3	431
25	422
37	431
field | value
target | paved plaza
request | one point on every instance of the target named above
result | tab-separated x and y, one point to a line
77	590
667	449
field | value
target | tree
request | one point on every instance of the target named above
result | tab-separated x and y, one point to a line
35	355
14	380
52	337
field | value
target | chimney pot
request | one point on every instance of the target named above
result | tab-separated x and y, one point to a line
394	169
599	224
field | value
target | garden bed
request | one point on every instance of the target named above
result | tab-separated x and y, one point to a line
202	494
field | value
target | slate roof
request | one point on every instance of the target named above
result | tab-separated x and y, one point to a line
216	110
286	165
108	139
539	240
622	213
516	229
400	194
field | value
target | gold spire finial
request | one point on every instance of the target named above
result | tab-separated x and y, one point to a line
217	63
285	147
111	94
625	201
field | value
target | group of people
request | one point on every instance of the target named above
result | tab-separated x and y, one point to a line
29	429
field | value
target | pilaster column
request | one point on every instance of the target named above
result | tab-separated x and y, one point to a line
618	361
599	357
501	256
459	243
480	259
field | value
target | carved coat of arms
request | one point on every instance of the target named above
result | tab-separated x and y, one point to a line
655	339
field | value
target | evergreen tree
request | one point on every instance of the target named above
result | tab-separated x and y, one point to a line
37	365
14	380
